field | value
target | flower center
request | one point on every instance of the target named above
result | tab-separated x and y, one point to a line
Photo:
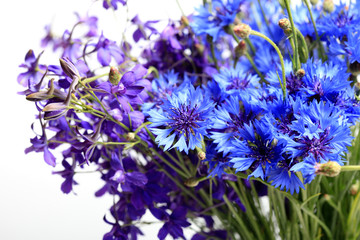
185	119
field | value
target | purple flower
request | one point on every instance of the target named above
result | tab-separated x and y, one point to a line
34	70
140	32
173	222
129	89
107	49
113	3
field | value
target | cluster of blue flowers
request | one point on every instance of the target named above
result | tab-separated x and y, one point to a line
200	106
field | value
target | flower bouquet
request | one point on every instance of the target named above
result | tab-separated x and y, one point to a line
238	121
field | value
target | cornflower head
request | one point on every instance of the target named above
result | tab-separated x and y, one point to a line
324	81
212	20
231	117
183	118
237	81
283	176
258	150
340	22
322	133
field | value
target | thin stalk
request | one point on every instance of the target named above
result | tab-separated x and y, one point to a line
247	234
321	47
91	79
280	57
247	55
212	49
296	54
266	20
350	168
248	208
187	191
169	164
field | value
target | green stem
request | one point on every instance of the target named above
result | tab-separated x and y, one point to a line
169	164
350	168
91	79
212	49
247	55
182	11
266	20
296	54
280	57
321	47
241	223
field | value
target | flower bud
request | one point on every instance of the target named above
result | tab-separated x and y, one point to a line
242	30
300	73
191	182
69	68
314	2
185	20
328	6
201	155
114	76
329	169
284	23
288	31
354	189
130	136
240	49
327	197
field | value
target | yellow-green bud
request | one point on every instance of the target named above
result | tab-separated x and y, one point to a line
191	182
288	31
354	189
201	155
314	2
284	23
130	136
327	197
300	73
328	6
242	30
240	49
329	169
185	20
114	76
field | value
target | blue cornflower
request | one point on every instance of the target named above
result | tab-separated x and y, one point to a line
237	81
322	132
324	81
212	21
231	117
350	47
339	23
214	92
259	150
307	167
183	118
283	176
163	86
217	162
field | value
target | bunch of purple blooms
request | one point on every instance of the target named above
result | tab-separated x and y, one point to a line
220	108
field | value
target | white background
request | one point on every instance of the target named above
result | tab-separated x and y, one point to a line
31	203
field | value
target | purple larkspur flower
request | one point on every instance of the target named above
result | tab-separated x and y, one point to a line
113	3
34	70
129	89
140	32
106	49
